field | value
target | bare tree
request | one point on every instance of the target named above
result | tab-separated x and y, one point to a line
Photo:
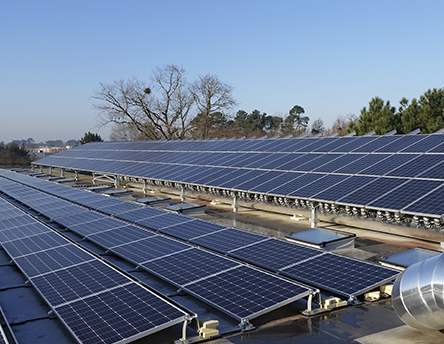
158	110
211	97
341	123
317	127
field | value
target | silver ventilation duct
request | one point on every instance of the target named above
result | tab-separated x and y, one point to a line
418	294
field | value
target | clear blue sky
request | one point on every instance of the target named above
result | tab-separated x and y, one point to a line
330	57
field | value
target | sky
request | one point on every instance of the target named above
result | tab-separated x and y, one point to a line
330	57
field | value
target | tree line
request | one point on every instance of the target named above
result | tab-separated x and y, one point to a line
168	106
14	155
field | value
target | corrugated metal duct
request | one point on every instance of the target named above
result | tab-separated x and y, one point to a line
418	294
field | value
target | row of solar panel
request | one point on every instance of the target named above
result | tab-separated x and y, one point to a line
69	278
397	191
362	144
428	166
158	255
254	248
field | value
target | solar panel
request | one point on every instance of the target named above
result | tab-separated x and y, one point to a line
430	205
77	281
150	248
388	164
402	143
318	185
407	193
274	254
241	178
21	232
339	274
191	229
296	184
338	163
371	191
342	188
362	163
35	243
435	172
96	226
378	143
254	294
17	221
121	314
417	166
139	214
294	165
280	180
227	239
119	236
188	266
164	220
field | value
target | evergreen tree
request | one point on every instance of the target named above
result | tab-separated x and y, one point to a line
90	137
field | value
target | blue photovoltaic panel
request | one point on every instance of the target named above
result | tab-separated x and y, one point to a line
164	220
372	191
294	165
139	214
290	146
401	143
78	281
322	160
379	143
118	315
52	259
76	219
282	160
405	194
264	159
119	236
97	226
228	239
319	144
149	248
417	166
17	221
428	144
430	205
276	145
341	189
250	174
338	163
211	176
117	208
436	172
251	183
274	254
250	159
206	171
239	158
339	274
255	292
309	143
34	243
388	164
353	143
362	163
191	229
318	186
227	176
22	232
281	179
188	266
296	184
334	144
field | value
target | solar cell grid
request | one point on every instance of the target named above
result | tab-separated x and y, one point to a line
334	144
254	293
426	145
52	259
119	236
249	159
307	145
247	185
164	220
318	145
118	315
371	191
317	162
187	266
417	166
354	277
149	248
401	143
274	254
230	173
35	243
318	186
430	205
21	232
139	214
16	221
97	226
241	178
343	188
296	184
227	240
354	143
80	218
388	164
78	281
119	207
407	193
338	163
191	229
294	165
362	163
379	143
436	172
282	179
